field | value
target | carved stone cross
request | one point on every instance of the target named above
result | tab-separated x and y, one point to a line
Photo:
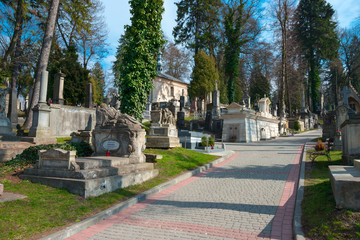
345	93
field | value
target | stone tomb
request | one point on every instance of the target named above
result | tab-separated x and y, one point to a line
345	183
245	125
117	135
163	132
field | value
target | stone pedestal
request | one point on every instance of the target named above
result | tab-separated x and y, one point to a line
41	121
164	136
345	183
350	133
163	132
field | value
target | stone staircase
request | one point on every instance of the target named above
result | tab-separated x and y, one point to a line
97	175
9	149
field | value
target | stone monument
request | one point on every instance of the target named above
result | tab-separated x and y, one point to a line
89	96
58	93
163	132
118	135
119	142
216	102
5	125
40	131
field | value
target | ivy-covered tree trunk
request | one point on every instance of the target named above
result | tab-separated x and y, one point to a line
143	40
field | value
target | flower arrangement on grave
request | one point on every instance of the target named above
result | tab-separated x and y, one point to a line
319	146
206	142
233	138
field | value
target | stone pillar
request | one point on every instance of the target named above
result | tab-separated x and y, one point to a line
43	86
13	110
58	93
89	95
41	120
216	104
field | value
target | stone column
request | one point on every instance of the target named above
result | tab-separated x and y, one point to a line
58	94
43	86
13	110
89	95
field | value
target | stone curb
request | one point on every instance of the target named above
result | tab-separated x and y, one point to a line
297	226
69	231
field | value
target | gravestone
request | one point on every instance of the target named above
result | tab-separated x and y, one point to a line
208	121
180	122
89	96
58	93
119	142
118	134
163	132
5	125
13	110
1	189
216	102
329	126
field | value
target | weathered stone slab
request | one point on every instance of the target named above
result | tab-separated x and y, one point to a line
57	159
94	187
1	189
345	183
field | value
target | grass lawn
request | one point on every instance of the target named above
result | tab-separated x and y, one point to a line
320	219
47	209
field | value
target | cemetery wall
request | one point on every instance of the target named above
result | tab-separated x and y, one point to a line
67	119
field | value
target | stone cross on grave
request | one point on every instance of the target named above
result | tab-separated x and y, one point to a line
345	93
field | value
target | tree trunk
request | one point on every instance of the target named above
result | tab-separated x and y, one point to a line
13	114
19	19
44	58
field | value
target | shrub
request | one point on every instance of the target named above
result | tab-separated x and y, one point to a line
211	142
297	126
204	141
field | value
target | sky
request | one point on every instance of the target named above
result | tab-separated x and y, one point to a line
117	15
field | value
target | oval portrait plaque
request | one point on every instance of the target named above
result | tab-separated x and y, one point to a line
111	145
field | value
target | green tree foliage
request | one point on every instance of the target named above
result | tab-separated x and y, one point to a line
316	32
138	58
76	77
198	24
97	78
350	55
259	85
335	80
239	30
204	75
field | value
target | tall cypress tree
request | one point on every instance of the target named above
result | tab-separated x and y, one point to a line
316	32
138	57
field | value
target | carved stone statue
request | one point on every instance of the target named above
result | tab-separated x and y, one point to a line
118	134
167	117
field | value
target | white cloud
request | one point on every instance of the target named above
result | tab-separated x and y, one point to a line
346	11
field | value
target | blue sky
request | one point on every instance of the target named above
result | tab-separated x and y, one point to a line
117	15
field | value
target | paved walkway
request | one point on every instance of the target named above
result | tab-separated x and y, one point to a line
251	195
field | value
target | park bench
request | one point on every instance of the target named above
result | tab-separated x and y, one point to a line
325	152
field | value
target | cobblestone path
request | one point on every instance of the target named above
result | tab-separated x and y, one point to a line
251	195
